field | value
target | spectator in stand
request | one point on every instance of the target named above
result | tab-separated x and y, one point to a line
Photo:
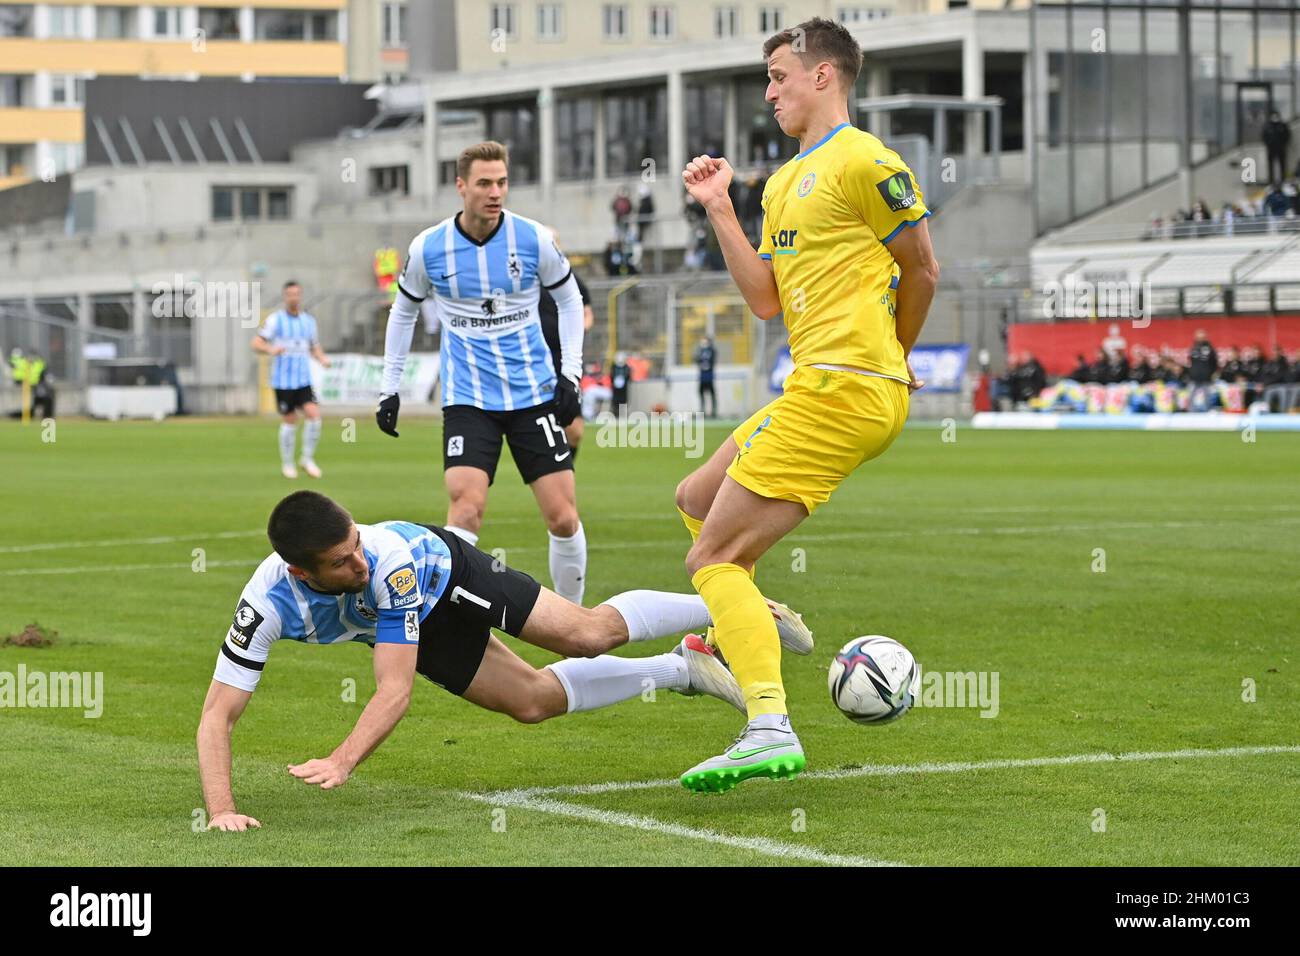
1173	372
1275	371
1155	367
1030	378
1117	369
1276	202
1232	369
1098	372
1081	373
645	211
621	207
1202	359
1276	136
1138	371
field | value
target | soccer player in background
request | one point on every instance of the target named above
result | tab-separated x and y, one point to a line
550	317
846	259
485	268
289	336
426	602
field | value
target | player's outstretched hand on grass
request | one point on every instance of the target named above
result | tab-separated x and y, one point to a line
386	414
915	382
231	822
707	179
327	773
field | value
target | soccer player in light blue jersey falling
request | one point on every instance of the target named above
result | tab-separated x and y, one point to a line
485	268
289	336
426	602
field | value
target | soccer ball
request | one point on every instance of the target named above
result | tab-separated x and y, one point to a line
874	679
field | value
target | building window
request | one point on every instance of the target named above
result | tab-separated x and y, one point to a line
112	312
13	161
67	157
502	21
16	21
771	19
575	128
313	25
394	24
389	180
550	21
67	90
65	22
115	23
859	14
726	22
663	23
166	21
219	23
14	89
614	21
515	125
251	203
636	129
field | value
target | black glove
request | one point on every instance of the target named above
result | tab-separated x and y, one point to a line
568	400
386	414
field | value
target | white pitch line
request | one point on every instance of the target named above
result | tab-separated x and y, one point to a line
894	770
775	848
677	545
118	542
105	568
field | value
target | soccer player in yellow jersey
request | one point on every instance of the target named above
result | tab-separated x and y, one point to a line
846	260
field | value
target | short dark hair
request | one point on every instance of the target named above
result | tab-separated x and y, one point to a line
291	282
820	39
487	151
305	525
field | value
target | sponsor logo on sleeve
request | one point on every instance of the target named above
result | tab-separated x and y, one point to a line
897	192
412	626
245	625
455	446
402	591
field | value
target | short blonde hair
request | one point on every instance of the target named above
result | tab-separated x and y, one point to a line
490	150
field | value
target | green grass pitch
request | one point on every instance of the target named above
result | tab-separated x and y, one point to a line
980	554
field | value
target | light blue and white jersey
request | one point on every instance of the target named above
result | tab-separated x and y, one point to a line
297	333
494	355
409	569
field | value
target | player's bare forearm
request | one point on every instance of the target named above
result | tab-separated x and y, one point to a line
914	297
918	278
214	765
752	275
385	709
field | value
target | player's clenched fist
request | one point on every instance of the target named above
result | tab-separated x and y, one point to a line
707	178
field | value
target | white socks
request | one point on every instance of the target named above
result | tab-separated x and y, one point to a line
590	683
569	565
288	436
463	533
652	614
310	437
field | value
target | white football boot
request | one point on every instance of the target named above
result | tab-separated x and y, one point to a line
289	471
310	466
759	751
707	674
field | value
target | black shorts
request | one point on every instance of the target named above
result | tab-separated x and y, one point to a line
482	593
291	399
472	438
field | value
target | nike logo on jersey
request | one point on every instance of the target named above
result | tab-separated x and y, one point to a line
449	275
564	456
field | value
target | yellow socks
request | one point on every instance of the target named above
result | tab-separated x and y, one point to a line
746	632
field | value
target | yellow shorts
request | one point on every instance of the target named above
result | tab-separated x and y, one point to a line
800	446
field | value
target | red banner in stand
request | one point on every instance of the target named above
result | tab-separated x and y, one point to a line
1057	345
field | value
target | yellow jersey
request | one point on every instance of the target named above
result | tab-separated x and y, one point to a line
828	216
